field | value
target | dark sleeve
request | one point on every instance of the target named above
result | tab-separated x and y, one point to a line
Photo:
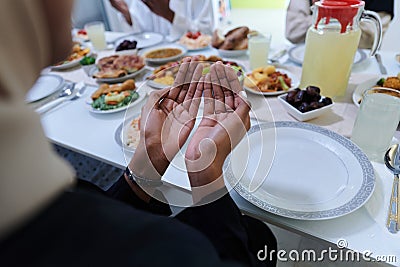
380	6
122	191
235	237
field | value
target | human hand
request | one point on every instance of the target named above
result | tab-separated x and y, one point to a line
225	121
122	7
166	122
160	8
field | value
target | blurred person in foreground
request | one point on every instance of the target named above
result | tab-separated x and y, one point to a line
49	219
172	18
299	19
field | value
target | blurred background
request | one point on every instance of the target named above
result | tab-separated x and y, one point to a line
262	15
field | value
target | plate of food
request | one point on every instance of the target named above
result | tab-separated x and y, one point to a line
118	68
270	81
232	44
111	98
392	82
300	171
164	75
78	52
163	54
195	41
143	40
127	134
296	54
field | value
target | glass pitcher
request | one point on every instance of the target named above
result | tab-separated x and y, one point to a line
331	44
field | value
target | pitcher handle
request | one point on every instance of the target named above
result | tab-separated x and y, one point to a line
374	17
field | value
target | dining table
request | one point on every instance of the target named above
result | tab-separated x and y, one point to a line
71	125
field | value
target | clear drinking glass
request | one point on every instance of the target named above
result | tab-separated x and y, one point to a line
96	33
377	121
259	44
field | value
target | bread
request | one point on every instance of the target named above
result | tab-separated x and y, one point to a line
235	39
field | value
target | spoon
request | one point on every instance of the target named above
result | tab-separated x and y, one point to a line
392	161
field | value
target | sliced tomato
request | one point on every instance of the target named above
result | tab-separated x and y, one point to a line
112	103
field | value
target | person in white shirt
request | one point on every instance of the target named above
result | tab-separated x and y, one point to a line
172	18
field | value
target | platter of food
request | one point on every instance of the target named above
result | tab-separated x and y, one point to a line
270	81
232	44
335	177
111	98
195	41
117	68
78	52
127	134
163	54
164	75
392	82
296	54
44	86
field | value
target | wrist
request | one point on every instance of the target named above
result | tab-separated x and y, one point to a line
205	177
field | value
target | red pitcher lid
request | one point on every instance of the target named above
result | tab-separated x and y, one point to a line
342	10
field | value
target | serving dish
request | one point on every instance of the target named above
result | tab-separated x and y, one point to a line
300	171
163	60
231	53
303	116
294	84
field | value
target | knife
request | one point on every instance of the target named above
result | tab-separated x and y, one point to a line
379	60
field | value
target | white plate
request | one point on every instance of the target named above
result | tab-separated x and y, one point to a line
163	60
89	101
231	53
313	174
68	65
197	49
362	87
116	80
120	133
156	85
296	54
46	85
144	39
295	84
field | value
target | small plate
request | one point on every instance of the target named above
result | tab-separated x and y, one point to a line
115	80
89	101
163	60
397	58
46	85
303	116
197	49
156	85
295	84
68	65
144	39
232	53
296	54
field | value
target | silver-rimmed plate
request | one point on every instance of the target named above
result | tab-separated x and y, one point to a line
45	85
300	171
296	54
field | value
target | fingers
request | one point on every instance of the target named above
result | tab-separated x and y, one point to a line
188	80
228	94
192	87
233	81
209	105
195	103
242	110
180	79
154	99
219	97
